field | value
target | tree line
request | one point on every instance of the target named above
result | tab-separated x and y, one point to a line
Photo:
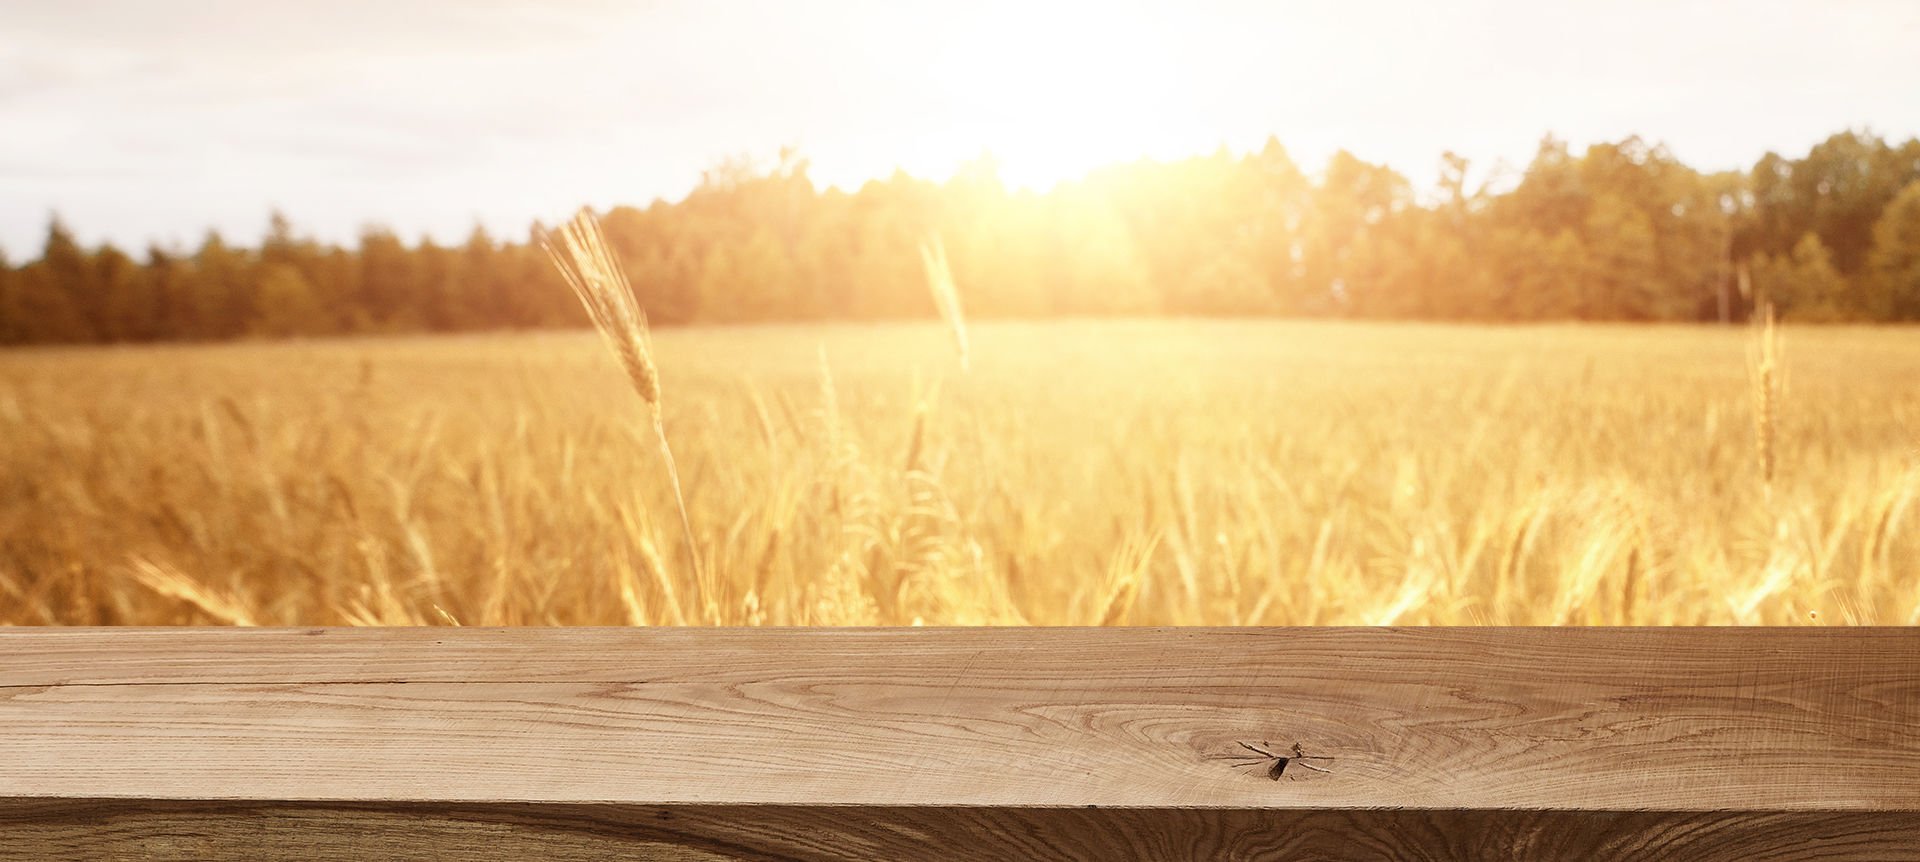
1621	231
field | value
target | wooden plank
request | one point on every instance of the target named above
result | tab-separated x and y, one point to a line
1666	719
1094	743
428	832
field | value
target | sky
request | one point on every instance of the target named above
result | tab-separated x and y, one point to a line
140	121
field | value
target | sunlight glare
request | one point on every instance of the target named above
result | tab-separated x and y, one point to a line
1055	92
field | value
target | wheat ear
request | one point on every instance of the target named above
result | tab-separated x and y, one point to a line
579	250
933	255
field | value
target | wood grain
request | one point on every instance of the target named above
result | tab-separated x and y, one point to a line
427	832
983	743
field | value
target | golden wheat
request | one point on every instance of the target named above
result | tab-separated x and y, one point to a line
1764	365
581	254
946	297
1120	472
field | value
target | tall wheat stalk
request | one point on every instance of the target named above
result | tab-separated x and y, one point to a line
933	255
1764	371
579	250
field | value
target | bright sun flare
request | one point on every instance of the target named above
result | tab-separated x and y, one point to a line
1054	93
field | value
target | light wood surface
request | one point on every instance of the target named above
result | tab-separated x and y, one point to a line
1681	743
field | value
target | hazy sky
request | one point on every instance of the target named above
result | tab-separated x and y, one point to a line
140	119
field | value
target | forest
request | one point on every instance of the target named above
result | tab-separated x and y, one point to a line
1620	232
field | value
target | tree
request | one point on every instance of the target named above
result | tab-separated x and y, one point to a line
222	289
51	296
1619	231
1803	285
442	298
280	246
483	282
1836	191
319	288
750	279
1893	266
1625	280
1551	196
336	281
287	304
538	295
389	283
170	278
1452	244
129	309
1354	198
1273	221
1538	276
1448	275
11	321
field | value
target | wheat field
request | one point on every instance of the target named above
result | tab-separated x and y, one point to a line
1116	472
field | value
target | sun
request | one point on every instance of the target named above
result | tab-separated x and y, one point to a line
1054	93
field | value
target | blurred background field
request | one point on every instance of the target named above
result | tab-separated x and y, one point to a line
1081	472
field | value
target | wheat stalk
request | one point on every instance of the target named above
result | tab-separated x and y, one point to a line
1764	371
225	607
579	250
933	255
1124	574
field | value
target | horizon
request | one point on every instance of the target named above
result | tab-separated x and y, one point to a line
428	118
1498	177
